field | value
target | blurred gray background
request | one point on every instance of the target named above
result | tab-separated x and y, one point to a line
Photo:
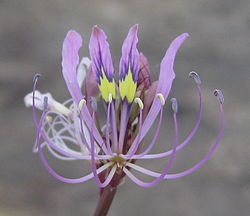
31	36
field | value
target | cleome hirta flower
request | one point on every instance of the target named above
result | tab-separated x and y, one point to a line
132	103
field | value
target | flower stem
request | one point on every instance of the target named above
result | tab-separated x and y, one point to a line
105	201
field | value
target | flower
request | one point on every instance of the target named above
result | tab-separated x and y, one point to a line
132	104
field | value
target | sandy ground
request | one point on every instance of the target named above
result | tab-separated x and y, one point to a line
31	35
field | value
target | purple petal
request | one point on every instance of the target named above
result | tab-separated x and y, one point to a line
167	74
100	54
70	60
130	54
166	78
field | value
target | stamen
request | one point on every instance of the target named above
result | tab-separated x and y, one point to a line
114	128
107	129
188	138
152	143
93	161
135	145
196	77
71	107
139	102
125	112
161	97
59	148
81	103
83	135
59	177
110	97
36	77
174	105
39	132
93	104
168	165
45	136
218	93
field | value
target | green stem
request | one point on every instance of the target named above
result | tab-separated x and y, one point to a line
105	201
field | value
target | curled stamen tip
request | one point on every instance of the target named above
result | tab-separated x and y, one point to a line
139	102
81	103
94	104
161	97
110	98
195	76
45	103
174	105
218	93
36	76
